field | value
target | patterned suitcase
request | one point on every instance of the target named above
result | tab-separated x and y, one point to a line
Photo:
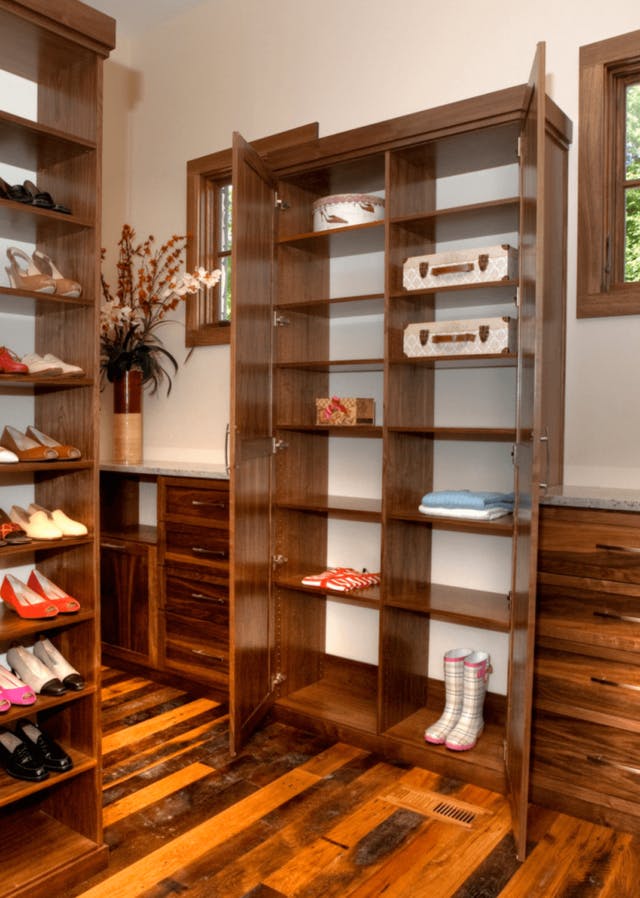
476	336
463	266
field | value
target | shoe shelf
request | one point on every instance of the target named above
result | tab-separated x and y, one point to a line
33	467
28	144
24	300
45	545
16	629
12	791
28	224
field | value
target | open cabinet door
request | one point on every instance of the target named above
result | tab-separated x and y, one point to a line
525	544
250	444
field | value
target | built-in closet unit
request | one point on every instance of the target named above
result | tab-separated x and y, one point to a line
322	314
51	831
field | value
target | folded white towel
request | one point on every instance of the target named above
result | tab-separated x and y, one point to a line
469	514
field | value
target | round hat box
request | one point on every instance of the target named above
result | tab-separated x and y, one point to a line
344	209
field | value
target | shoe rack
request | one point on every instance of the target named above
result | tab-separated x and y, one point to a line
51	831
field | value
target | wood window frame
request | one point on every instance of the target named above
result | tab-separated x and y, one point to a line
205	175
604	67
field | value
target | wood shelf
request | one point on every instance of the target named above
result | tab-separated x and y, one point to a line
499	527
12	790
456	604
365	431
490	434
336	366
505	286
337	307
498	360
368	598
348	507
27	144
474	220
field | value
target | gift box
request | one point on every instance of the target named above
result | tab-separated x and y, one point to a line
345	410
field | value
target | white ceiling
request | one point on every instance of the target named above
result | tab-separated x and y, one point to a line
134	16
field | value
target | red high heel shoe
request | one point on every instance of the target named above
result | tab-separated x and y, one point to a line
65	603
24	601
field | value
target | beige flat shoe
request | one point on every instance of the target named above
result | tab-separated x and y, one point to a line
36	525
60	520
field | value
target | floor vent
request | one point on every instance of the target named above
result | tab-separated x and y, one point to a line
433	804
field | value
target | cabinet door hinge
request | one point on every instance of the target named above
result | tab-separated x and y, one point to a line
277	679
514	454
280	320
279	444
281	205
519	150
517	298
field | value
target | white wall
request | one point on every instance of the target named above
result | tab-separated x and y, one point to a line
260	66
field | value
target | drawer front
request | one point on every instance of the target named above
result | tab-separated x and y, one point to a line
197	649
579	683
198	544
603	546
596	619
208	505
199	600
586	758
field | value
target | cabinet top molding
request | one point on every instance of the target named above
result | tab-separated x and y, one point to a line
68	19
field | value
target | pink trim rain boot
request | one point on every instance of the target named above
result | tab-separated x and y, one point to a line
454	692
476	674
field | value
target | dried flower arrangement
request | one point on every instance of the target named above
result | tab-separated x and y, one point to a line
150	284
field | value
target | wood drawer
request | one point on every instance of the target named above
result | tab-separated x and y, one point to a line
198	544
206	503
597	619
198	599
595	544
196	648
590	761
589	687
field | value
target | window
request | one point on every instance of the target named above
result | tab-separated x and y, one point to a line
210	226
609	178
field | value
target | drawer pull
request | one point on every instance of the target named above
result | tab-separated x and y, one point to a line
207	654
602	681
218	553
606	762
215	599
613	616
631	550
200	503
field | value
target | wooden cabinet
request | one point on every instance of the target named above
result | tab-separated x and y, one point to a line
52	831
586	753
322	314
165	588
194	554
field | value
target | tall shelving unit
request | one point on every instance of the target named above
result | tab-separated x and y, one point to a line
52	831
483	171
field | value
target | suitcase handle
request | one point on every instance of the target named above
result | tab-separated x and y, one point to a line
455	267
453	338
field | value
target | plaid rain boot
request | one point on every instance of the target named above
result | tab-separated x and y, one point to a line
476	673
454	692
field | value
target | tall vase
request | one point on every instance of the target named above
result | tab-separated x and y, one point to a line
127	418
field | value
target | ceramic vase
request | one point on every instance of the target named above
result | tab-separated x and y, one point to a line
127	418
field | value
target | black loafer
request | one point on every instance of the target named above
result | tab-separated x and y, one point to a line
43	748
18	760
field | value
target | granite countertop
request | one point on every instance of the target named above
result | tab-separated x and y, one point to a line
169	469
595	497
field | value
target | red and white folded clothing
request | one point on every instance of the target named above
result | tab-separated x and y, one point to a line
342	579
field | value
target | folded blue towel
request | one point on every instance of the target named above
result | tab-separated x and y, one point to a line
467	499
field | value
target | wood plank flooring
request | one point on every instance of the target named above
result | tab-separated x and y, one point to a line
293	816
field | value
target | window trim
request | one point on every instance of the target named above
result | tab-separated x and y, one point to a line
602	67
204	175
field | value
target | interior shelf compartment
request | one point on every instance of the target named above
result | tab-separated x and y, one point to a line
345	695
499	527
498	434
61	847
337	306
369	598
456	604
346	507
29	145
15	629
336	366
349	240
366	431
472	294
476	220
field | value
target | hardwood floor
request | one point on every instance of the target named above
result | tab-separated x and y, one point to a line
293	815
